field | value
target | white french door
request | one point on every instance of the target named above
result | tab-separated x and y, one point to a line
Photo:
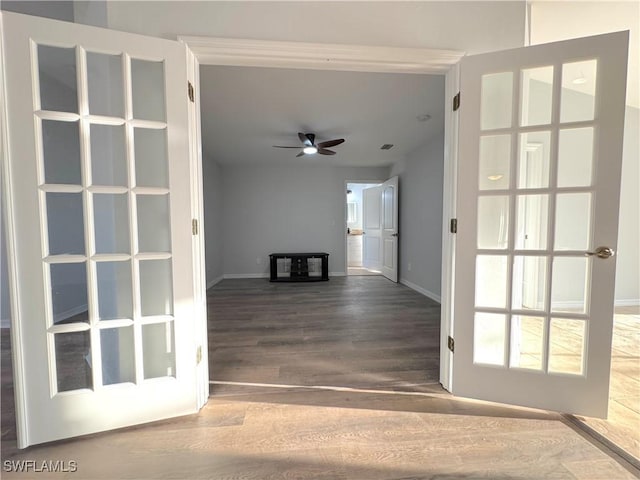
98	201
389	235
540	149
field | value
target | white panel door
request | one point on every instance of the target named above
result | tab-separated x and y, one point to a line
98	203
389	241
539	180
372	228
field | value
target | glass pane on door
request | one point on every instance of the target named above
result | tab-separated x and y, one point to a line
496	100
489	338
105	84
575	157
58	79
573	221
156	293
491	281
566	346
152	167
154	234
578	91
159	350
533	164
147	82
494	162
537	93
118	358
493	222
111	223
65	222
108	155
69	300
73	357
115	299
61	152
527	342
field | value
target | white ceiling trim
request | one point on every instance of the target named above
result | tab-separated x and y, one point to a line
320	56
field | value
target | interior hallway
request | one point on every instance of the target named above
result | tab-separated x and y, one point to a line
399	425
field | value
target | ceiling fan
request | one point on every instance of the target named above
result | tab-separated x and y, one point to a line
309	147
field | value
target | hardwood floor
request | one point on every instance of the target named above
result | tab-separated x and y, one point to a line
400	425
622	426
360	271
362	332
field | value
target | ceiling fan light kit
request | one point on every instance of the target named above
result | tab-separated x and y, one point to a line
309	147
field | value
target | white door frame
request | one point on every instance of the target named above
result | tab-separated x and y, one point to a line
198	241
341	57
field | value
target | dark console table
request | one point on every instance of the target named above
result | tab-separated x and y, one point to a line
299	267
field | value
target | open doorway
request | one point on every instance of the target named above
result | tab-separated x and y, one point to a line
355	230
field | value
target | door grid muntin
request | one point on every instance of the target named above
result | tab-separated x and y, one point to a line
511	188
151	352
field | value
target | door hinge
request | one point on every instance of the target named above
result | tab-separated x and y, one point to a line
194	226
453	226
456	102
199	355
191	92
450	343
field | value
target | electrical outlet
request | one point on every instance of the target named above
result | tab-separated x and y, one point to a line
409	266
259	260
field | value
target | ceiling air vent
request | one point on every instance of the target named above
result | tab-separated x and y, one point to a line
386	146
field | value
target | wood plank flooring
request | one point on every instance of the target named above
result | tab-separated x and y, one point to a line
622	426
400	426
362	332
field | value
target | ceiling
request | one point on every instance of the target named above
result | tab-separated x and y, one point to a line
247	110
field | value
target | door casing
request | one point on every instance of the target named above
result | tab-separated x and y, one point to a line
353	58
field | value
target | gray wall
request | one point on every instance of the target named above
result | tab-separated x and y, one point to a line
88	12
282	209
628	266
471	26
213	208
420	177
62	10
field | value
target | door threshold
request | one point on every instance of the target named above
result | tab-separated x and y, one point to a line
623	457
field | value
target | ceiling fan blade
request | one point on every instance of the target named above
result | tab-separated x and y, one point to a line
304	138
282	146
331	143
324	151
300	154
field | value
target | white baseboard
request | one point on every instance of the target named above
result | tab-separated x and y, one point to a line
627	302
266	275
70	313
245	275
214	281
6	322
419	289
